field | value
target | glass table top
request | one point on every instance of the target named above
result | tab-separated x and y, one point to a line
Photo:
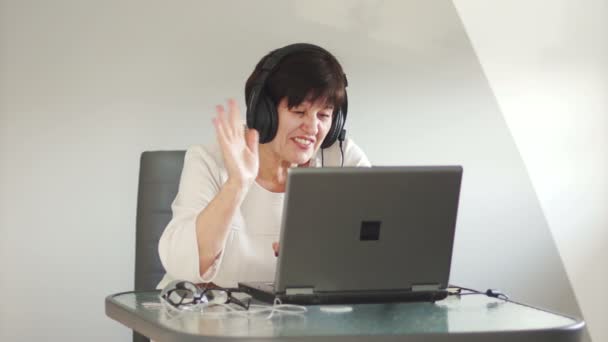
468	313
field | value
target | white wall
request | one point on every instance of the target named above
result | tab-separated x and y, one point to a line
87	86
547	63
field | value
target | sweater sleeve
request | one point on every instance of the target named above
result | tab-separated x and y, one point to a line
178	248
354	155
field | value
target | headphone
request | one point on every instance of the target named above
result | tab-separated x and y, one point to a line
262	111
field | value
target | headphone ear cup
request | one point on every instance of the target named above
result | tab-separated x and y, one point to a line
273	117
337	126
266	118
334	132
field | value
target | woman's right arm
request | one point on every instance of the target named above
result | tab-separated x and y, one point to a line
194	239
213	223
240	153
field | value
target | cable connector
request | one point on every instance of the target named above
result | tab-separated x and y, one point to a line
496	294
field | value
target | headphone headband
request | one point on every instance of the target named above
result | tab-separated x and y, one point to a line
276	57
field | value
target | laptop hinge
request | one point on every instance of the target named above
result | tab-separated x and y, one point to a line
299	291
425	287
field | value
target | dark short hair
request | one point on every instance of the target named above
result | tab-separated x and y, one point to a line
306	75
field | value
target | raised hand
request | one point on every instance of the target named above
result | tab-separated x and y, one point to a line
239	146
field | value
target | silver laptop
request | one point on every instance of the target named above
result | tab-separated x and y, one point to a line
365	235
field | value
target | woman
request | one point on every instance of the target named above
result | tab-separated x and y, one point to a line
227	212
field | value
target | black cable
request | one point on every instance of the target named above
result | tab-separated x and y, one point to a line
342	154
322	162
494	293
341	138
460	289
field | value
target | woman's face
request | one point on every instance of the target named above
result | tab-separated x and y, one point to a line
301	130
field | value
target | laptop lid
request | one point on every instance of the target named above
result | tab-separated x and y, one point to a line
368	229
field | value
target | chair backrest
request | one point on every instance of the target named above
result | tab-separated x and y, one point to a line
159	174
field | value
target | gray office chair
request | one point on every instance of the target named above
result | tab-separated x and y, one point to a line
159	174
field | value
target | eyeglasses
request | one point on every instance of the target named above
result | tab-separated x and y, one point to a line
181	293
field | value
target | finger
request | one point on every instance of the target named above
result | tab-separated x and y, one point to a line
221	134
223	121
275	247
221	126
220	120
234	115
253	140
